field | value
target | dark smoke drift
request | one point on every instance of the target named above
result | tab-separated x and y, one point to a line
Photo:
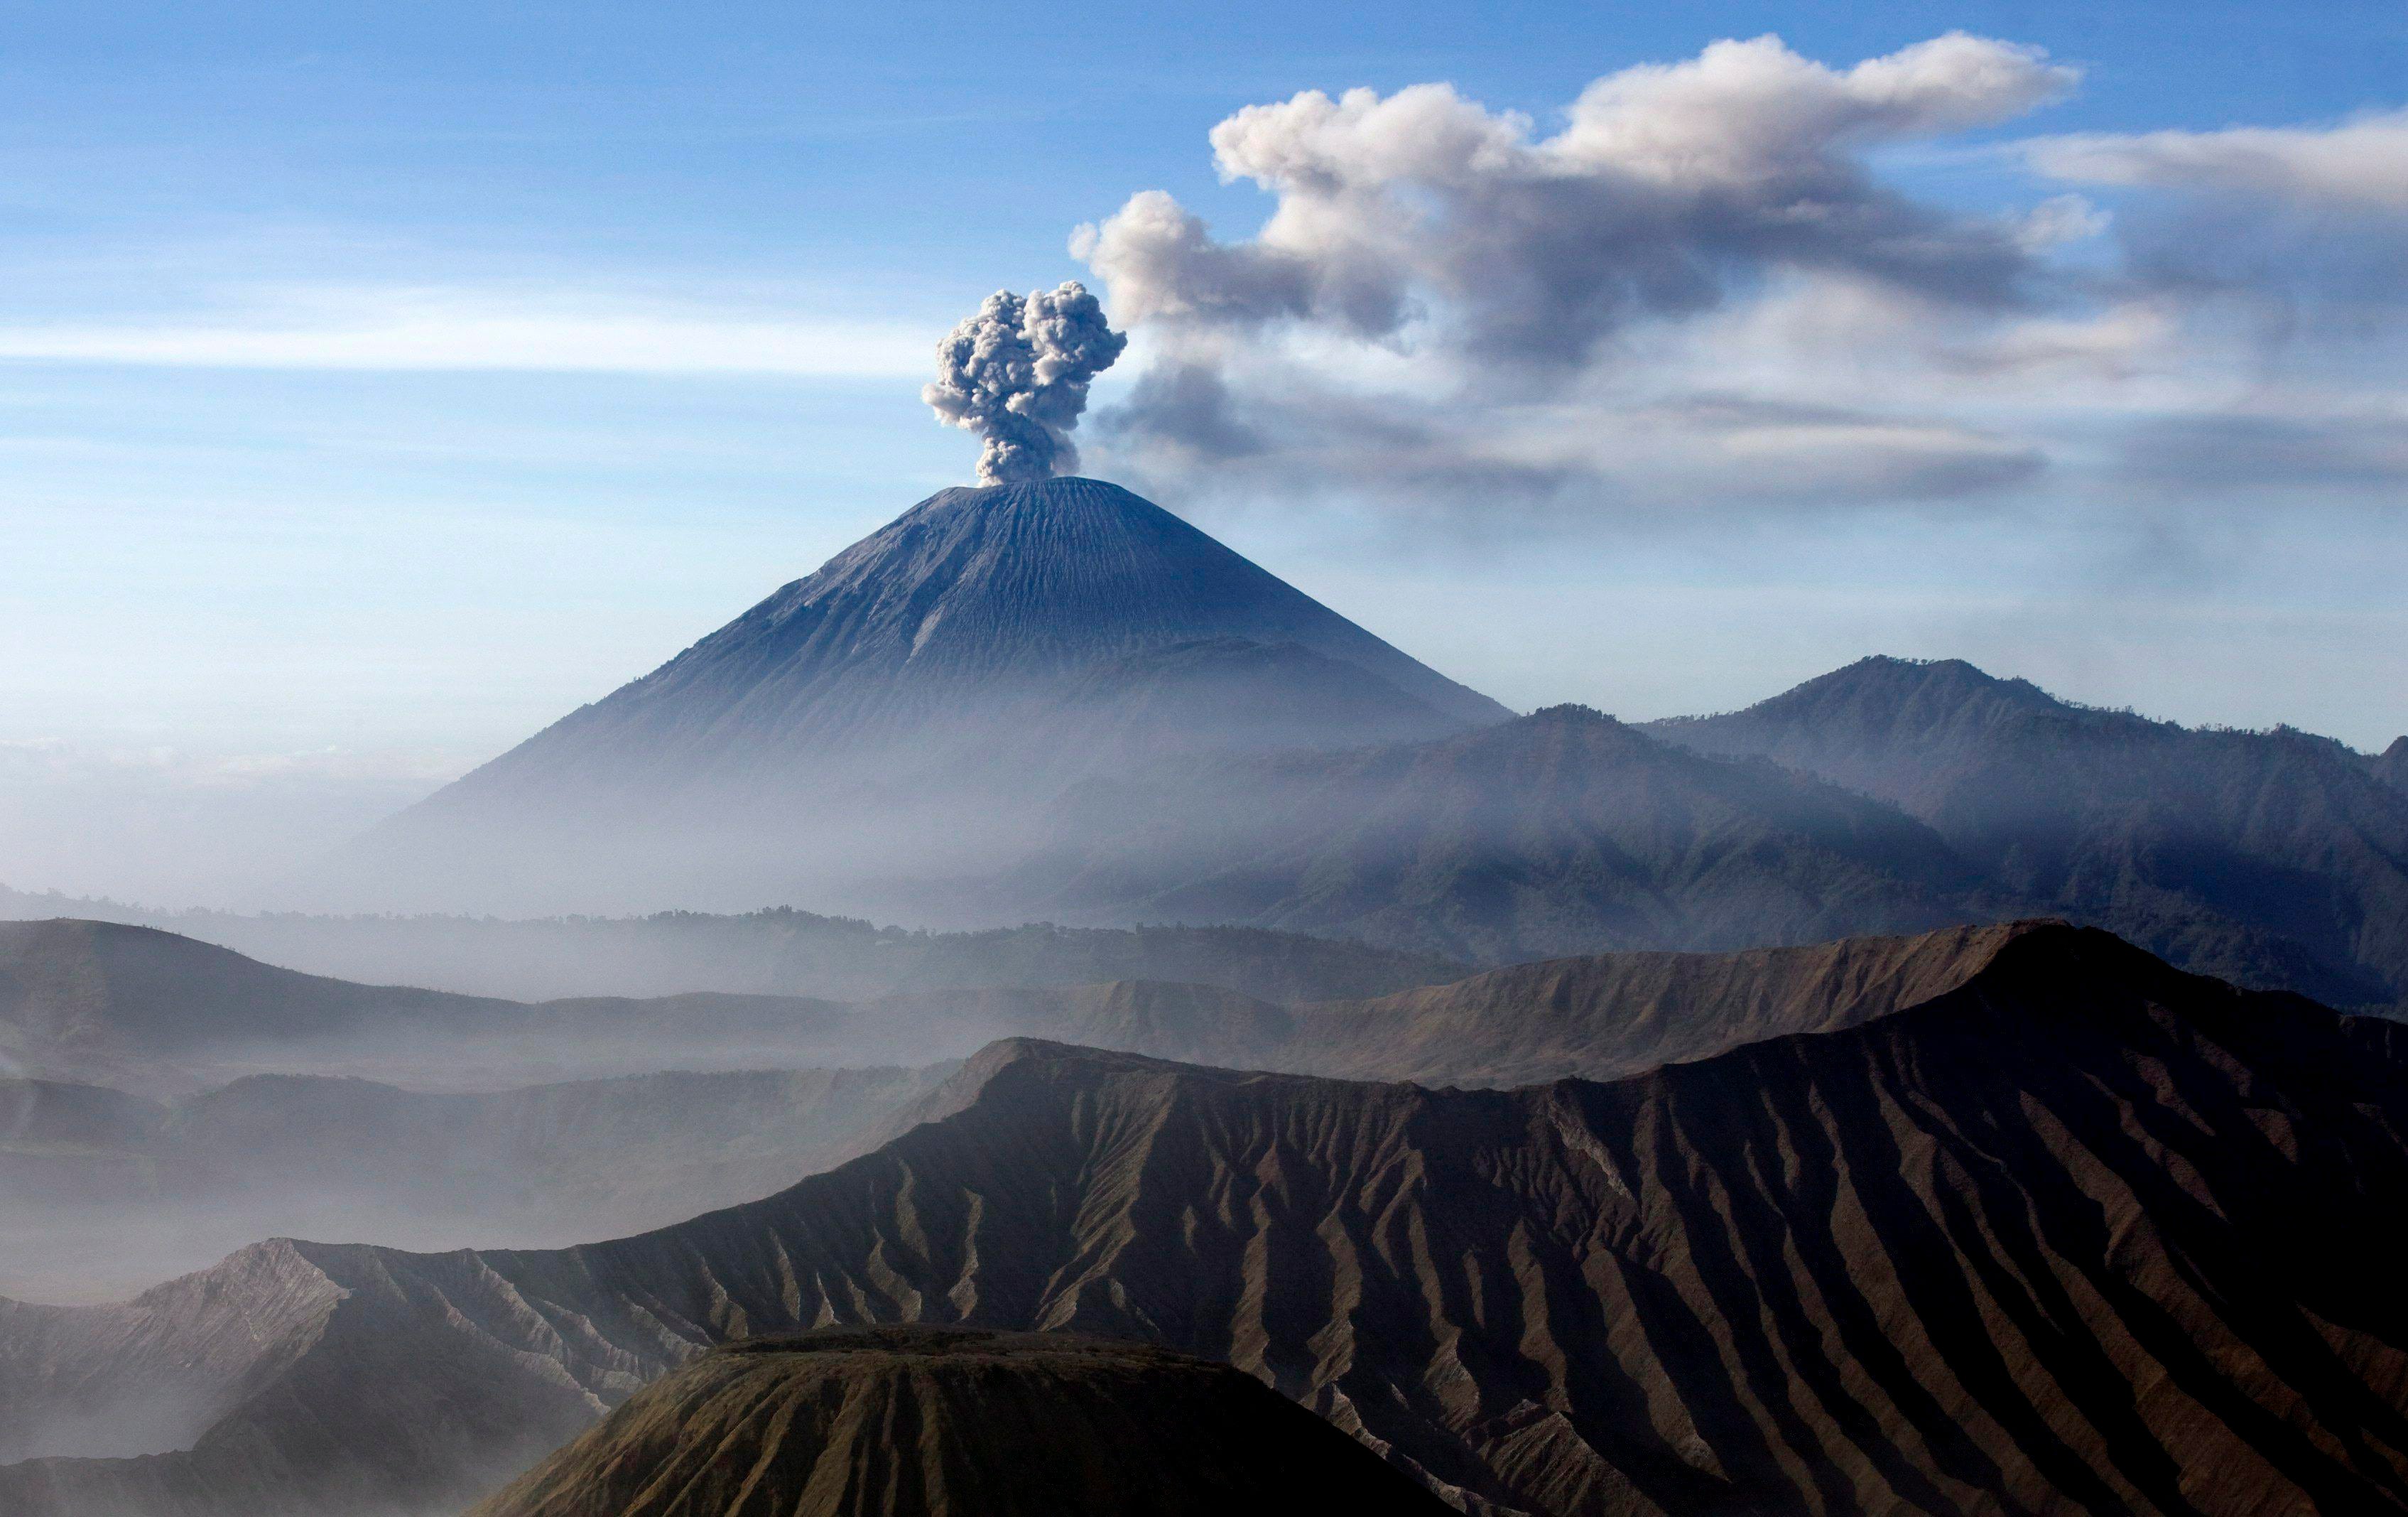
1017	374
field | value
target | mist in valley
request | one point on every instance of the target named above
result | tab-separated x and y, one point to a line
1043	917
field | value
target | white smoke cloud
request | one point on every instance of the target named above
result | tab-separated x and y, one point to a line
1667	186
1712	287
1017	374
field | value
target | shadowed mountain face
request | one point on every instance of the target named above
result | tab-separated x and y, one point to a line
1563	832
2074	1231
893	716
884	1421
2276	857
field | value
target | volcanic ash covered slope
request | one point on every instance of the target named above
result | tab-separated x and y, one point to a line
2070	1231
920	1421
977	655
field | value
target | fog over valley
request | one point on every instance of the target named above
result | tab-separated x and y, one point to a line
1589	763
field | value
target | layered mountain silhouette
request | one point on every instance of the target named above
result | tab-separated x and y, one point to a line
2042	1225
1593	1017
982	652
1059	702
166	1017
159	1014
2276	857
874	1422
780	952
105	1193
1561	833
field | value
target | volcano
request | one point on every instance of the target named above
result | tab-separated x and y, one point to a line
986	652
886	1422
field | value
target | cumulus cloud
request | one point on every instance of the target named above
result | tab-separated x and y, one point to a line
1706	285
1443	298
1017	374
1665	187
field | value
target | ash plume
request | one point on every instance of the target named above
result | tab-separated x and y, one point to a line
1017	374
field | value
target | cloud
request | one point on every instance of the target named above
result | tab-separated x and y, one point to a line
419	329
2307	224
2283	459
1668	187
1707	289
2360	164
1017	374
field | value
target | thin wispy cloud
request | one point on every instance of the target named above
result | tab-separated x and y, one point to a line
375	329
2361	162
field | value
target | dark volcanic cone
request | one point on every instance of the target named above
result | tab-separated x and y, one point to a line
973	658
901	1422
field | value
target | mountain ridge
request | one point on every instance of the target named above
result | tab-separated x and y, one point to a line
1561	833
1825	1272
2277	857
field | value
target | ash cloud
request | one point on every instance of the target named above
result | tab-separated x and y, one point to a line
1017	374
1727	284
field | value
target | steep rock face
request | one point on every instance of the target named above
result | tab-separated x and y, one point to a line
1563	832
921	1423
2081	1233
2276	857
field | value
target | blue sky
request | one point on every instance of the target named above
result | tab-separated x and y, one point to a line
377	383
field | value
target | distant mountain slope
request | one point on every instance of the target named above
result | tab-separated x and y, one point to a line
2080	1233
2391	765
102	1195
1605	1017
969	589
966	661
880	1422
2273	857
1616	1014
1562	832
162	1015
780	952
80	999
